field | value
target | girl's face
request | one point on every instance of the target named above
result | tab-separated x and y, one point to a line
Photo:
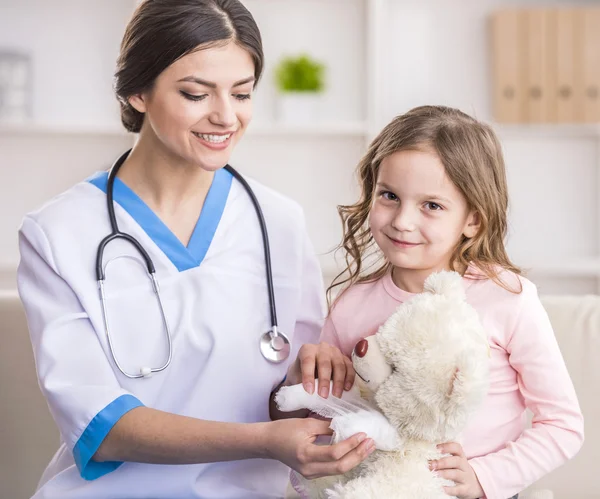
418	215
200	106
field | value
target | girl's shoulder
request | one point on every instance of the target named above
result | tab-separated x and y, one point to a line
506	289
355	296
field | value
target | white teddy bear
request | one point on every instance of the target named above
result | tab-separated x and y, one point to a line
421	375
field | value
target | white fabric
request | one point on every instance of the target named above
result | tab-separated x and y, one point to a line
350	414
216	312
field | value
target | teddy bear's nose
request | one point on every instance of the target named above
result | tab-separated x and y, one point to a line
361	348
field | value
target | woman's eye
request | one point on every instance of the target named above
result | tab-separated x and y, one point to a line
193	97
433	206
242	96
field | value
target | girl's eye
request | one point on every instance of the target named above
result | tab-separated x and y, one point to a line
433	206
390	196
192	97
242	97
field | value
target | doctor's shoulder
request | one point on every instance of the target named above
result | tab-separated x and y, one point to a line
280	210
79	205
68	223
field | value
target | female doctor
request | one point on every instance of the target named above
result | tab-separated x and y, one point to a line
140	377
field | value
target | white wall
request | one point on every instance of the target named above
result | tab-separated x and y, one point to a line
430	51
73	45
439	54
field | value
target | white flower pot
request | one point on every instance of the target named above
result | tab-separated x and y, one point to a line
298	107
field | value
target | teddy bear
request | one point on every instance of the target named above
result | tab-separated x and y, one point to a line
419	378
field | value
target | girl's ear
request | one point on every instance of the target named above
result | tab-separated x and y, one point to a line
138	103
472	225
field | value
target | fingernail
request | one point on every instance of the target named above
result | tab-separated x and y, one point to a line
308	387
371	447
431	465
323	392
348	386
361	437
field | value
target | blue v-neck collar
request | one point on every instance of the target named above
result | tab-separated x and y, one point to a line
182	257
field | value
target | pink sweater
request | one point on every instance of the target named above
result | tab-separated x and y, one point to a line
526	371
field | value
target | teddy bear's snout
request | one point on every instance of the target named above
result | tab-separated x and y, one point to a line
361	348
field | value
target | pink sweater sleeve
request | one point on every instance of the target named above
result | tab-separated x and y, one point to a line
556	434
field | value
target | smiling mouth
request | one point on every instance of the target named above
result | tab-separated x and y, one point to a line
365	380
213	138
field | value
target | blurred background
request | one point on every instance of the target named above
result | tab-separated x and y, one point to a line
336	72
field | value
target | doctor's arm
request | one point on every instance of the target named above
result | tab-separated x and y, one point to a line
151	436
104	425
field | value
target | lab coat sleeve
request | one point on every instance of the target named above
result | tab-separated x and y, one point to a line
312	299
74	374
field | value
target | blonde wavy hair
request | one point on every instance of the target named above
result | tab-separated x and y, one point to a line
472	157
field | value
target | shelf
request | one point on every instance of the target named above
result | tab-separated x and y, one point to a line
549	131
358	129
24	129
584	267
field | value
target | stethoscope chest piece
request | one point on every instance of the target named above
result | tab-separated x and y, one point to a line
275	346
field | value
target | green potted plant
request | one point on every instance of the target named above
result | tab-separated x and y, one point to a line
300	82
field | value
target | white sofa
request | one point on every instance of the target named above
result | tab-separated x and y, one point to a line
28	437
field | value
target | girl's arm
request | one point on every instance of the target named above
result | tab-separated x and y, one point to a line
557	427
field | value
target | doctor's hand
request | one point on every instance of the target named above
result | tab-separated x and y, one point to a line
323	361
292	443
456	467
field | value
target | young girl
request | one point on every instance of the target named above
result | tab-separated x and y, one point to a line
434	196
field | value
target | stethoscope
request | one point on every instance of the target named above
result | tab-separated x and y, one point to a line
274	345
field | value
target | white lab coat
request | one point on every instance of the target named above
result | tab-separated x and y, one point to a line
215	297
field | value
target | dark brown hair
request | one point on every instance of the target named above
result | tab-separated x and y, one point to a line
473	160
162	31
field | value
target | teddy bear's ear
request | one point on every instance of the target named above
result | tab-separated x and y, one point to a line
445	283
454	382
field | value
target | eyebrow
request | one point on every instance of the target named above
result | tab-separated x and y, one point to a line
433	197
199	81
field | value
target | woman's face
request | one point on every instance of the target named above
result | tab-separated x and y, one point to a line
200	106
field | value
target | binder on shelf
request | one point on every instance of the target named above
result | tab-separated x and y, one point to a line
536	68
590	22
565	63
508	100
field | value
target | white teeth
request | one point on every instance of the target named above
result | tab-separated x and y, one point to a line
217	139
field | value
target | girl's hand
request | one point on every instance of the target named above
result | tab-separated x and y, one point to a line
457	468
325	362
291	441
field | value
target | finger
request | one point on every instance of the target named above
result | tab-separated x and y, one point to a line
307	357
451	448
324	369
447	463
350	374
335	452
318	427
455	491
339	374
347	461
457	476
